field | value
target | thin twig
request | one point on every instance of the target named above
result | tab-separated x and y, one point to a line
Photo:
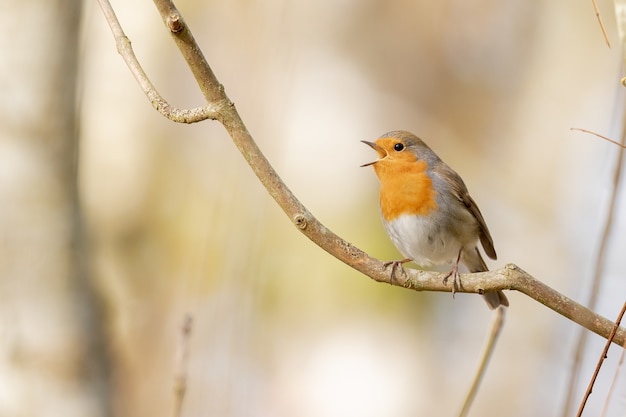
496	327
597	11
180	376
600	136
618	369
598	272
510	277
601	361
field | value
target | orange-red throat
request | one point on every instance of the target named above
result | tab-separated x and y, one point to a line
405	186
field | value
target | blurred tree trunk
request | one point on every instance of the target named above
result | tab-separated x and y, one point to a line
52	359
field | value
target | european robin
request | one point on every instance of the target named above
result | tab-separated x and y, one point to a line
427	210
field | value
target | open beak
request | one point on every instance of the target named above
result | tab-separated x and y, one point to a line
378	150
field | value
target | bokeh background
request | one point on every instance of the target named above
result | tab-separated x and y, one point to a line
174	221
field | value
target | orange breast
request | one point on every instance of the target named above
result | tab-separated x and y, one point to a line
405	188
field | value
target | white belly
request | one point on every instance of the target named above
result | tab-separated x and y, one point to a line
425	242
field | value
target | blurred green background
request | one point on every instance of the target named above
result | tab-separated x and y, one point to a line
176	223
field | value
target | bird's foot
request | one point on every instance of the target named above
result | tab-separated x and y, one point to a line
456	278
395	265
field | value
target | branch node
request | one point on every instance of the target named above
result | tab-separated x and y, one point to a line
513	270
300	221
175	23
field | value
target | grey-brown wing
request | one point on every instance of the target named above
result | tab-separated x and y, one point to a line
459	188
485	236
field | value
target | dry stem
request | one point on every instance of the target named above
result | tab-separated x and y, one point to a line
601	361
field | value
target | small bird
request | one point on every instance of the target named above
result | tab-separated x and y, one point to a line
427	210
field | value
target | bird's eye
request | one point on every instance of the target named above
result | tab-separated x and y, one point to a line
398	147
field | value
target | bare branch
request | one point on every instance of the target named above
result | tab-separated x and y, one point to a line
616	374
508	278
601	361
125	49
598	273
512	277
614	142
496	327
597	12
209	85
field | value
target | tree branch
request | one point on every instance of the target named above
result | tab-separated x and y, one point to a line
125	49
222	109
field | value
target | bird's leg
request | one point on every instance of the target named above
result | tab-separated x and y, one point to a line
454	273
394	268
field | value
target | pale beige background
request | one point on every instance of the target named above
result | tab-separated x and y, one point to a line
181	225
178	223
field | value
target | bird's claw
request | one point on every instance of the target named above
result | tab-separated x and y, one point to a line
456	279
394	268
